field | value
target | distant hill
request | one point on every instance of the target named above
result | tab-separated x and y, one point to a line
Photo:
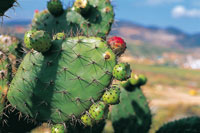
139	34
169	37
17	23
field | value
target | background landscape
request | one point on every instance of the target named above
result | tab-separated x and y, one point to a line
167	55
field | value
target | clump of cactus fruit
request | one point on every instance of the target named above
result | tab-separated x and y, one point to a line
70	76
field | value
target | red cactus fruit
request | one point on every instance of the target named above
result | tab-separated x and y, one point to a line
117	44
36	11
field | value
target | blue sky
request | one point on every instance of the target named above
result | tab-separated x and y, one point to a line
182	14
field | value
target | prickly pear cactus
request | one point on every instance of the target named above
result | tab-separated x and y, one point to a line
9	119
185	125
132	114
61	84
5	5
96	21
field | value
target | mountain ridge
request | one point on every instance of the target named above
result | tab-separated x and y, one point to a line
168	37
140	34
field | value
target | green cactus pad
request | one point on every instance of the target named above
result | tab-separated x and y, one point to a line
5	5
185	125
132	114
58	128
96	22
112	95
59	84
122	71
55	7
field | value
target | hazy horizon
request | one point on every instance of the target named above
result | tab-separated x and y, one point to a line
181	14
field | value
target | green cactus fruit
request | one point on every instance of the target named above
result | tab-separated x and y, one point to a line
132	114
40	41
27	38
96	22
5	5
112	95
58	128
86	120
122	71
142	80
55	7
134	80
61	84
184	125
81	6
97	111
59	36
131	84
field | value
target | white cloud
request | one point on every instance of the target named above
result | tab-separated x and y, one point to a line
157	2
181	11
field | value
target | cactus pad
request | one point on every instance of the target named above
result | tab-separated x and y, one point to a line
184	125
61	84
98	20
132	114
